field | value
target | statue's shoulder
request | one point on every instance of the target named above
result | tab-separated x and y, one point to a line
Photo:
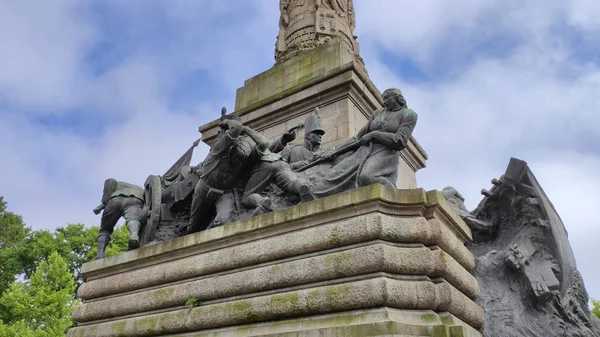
293	147
410	113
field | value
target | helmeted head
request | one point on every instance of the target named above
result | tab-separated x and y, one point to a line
393	99
312	128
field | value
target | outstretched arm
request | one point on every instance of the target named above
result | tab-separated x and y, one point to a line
262	143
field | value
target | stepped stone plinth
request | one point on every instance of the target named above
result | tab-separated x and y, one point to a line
368	262
328	77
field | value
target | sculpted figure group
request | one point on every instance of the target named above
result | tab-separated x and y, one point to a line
230	183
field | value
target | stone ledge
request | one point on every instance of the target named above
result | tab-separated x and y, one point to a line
288	246
380	322
377	257
415	202
365	294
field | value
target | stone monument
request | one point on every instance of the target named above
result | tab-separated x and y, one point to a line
526	269
245	244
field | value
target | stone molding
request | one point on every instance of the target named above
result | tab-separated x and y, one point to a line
364	249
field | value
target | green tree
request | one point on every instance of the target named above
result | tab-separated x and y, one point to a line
49	265
596	307
13	233
75	243
42	306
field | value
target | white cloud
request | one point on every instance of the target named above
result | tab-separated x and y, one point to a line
532	101
42	48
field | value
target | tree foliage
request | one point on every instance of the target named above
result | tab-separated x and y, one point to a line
12	234
596	307
40	272
41	306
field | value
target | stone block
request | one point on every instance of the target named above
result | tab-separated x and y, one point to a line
394	254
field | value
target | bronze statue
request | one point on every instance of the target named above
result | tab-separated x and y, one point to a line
299	155
377	144
120	199
219	172
267	167
239	160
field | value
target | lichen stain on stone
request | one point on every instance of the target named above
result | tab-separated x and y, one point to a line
244	309
286	303
339	261
312	300
443	258
335	238
163	294
335	295
119	328
145	324
429	318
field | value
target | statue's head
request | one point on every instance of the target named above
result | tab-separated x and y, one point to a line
313	130
393	99
314	137
239	152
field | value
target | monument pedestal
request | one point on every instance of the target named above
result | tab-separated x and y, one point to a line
368	262
327	77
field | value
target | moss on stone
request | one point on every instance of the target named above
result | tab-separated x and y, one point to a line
145	324
440	331
443	258
244	310
163	294
429	318
335	237
312	300
119	328
335	295
339	261
286	303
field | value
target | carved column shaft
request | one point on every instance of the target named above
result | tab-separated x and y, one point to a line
306	24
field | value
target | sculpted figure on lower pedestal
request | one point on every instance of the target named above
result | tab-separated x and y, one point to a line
299	155
219	172
377	146
120	199
238	168
267	167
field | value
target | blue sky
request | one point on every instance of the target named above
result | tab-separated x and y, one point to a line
98	89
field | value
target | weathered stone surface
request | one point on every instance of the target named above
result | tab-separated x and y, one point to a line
306	24
273	102
450	233
529	281
376	292
377	247
380	257
360	323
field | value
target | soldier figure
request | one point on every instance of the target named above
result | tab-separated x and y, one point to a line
298	155
219	172
269	167
120	199
237	151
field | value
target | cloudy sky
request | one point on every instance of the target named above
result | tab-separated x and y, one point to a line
98	89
